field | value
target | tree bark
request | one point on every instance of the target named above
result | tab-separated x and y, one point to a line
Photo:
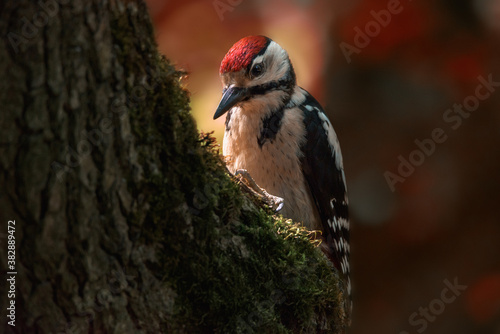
125	220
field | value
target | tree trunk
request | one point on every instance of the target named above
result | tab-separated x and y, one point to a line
123	217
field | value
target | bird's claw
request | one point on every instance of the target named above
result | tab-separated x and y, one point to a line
276	203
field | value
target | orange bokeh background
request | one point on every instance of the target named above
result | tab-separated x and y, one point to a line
442	222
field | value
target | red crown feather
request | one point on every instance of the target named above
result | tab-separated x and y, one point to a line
242	52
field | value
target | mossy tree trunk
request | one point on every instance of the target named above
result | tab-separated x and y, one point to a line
125	220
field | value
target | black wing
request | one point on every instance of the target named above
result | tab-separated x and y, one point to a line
323	170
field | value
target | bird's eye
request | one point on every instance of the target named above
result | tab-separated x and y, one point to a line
257	70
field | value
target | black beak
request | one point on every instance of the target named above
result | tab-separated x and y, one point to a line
230	97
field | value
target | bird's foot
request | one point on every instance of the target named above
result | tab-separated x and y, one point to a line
276	203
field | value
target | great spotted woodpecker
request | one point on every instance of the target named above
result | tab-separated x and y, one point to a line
280	134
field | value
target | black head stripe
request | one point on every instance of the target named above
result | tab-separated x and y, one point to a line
287	83
261	52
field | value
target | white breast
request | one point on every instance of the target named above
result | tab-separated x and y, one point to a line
276	165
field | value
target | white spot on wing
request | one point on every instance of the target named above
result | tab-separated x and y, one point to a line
345	265
332	202
332	141
342	223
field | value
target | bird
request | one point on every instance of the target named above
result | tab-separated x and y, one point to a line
278	135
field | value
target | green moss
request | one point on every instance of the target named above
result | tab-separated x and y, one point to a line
235	268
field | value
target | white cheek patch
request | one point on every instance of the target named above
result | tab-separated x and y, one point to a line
258	60
276	61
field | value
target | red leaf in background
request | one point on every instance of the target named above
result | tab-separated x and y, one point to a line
466	67
410	25
483	299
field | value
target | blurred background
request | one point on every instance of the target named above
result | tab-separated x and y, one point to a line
425	236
